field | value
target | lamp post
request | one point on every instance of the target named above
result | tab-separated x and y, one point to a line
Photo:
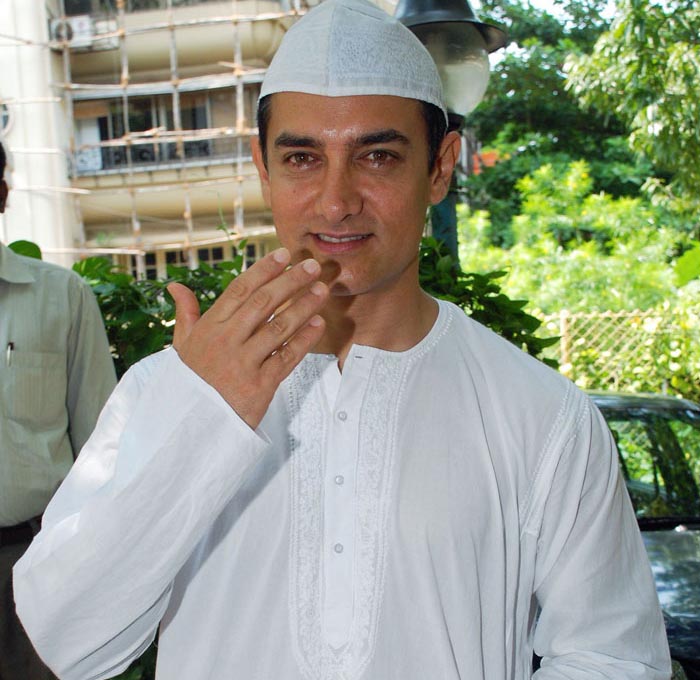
459	44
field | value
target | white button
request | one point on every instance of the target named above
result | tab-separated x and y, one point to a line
338	547
339	480
342	415
330	357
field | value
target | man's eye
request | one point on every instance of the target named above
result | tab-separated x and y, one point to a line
379	157
299	159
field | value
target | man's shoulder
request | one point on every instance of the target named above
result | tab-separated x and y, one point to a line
507	373
17	268
55	272
490	348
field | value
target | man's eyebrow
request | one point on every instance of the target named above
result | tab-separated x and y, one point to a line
382	137
288	139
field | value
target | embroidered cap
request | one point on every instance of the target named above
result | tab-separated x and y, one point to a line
351	47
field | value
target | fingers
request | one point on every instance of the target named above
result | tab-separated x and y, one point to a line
186	311
254	335
283	361
253	306
275	334
248	283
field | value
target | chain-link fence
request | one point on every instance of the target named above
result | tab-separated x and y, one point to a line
656	350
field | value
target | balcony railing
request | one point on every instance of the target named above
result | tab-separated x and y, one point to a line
118	156
76	7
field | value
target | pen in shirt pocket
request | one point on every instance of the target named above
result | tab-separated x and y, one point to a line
10	349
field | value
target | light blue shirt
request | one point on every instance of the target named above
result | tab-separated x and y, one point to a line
56	373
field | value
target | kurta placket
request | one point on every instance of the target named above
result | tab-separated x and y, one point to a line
344	395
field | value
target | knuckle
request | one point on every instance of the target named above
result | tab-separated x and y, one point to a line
260	298
287	355
277	326
238	289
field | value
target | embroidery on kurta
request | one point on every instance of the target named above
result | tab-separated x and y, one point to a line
317	659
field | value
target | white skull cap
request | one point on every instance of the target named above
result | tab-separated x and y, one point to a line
351	47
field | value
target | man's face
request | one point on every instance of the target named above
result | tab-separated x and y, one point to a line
348	183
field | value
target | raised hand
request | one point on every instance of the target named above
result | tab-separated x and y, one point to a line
254	335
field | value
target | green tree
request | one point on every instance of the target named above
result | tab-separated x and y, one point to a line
645	71
529	118
575	248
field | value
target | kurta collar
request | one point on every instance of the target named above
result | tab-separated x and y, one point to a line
13	268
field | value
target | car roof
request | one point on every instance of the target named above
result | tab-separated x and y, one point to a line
627	400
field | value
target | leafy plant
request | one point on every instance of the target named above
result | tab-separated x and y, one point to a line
26	248
139	314
481	297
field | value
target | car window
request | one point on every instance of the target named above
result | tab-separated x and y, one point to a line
660	460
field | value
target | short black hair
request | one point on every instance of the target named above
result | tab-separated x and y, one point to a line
3	162
435	124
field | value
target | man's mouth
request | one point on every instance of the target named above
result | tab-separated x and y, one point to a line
341	239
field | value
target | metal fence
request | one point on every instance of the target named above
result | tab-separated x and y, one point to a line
655	350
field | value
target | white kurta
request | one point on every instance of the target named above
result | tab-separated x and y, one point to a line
399	521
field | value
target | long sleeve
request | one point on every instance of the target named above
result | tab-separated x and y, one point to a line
600	616
90	368
166	456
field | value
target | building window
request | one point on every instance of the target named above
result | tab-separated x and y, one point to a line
151	267
253	252
177	258
75	7
103	121
213	255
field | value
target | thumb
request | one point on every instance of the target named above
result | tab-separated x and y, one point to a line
186	311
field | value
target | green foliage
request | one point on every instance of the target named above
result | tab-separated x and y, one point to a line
136	313
576	249
688	265
580	21
26	248
666	359
645	71
139	314
481	297
144	668
530	119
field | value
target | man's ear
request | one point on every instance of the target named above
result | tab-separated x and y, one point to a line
3	195
262	170
445	162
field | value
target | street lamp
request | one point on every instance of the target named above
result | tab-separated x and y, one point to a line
459	44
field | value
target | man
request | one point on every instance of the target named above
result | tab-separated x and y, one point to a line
56	373
333	476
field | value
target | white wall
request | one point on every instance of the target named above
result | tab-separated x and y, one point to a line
38	209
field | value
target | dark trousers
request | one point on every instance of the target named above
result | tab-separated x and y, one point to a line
18	660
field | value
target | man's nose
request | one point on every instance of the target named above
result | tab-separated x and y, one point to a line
339	196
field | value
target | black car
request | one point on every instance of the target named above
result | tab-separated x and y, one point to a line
658	440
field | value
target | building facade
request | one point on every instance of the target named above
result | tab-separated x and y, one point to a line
128	124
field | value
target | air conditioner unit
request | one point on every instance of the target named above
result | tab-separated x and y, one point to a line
77	31
108	28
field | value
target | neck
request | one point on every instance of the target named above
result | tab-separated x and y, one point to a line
376	320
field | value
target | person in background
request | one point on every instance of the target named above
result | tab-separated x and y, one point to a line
56	373
333	475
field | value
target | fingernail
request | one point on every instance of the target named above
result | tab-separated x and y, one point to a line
316	321
280	255
318	288
311	266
